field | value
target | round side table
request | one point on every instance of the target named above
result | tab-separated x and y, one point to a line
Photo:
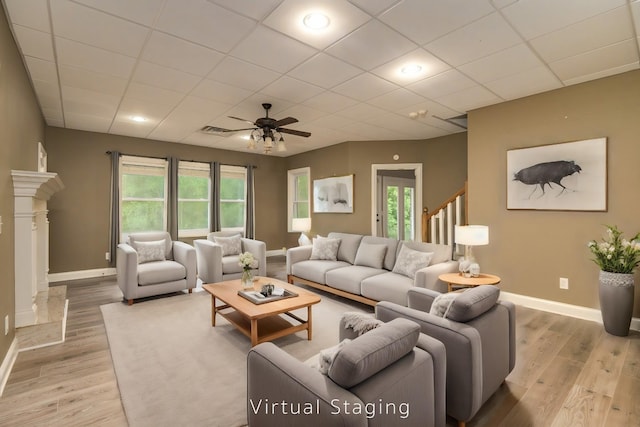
459	281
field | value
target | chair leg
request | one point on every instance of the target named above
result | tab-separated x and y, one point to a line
130	302
461	423
190	290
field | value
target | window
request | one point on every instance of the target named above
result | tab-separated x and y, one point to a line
232	197
143	195
298	194
194	199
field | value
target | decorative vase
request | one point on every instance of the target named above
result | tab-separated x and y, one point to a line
247	279
616	302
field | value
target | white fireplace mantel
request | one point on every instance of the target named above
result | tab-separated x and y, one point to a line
31	192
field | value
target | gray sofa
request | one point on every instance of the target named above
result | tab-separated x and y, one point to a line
364	271
390	376
478	332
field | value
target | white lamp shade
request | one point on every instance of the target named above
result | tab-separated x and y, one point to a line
472	235
301	224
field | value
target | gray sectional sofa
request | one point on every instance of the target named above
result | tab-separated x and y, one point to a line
369	269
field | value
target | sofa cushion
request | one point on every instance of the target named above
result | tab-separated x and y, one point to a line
370	255
348	245
315	270
348	278
325	248
231	264
153	273
392	248
473	302
370	353
387	287
150	251
231	245
409	261
441	253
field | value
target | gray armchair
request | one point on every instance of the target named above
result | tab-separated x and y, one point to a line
479	335
216	266
151	264
390	376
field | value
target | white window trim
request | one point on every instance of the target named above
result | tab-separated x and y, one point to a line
198	168
292	174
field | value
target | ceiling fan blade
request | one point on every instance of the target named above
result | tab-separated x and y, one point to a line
241	119
215	129
295	132
285	121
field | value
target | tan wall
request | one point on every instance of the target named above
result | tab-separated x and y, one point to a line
531	250
21	127
79	214
444	163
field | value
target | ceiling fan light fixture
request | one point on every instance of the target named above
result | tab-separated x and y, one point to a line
280	146
316	21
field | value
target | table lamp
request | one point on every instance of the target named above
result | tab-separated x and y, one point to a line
302	225
470	236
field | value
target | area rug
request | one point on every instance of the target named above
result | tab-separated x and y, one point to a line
174	369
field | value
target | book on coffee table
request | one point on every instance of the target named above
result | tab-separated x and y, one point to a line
257	298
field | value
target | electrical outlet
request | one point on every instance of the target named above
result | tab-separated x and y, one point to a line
107	256
6	324
564	283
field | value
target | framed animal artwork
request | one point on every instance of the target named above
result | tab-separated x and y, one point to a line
570	176
333	195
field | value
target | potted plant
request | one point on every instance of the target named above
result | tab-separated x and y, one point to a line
617	258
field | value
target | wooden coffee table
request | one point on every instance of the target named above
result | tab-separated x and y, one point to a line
261	322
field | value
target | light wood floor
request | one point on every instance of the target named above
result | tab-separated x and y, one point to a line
569	372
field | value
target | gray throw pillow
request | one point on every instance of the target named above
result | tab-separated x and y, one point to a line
473	302
150	251
230	245
325	248
370	353
370	255
409	261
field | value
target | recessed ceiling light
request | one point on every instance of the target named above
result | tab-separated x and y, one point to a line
316	21
138	119
411	69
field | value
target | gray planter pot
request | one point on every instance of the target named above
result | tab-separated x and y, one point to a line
616	302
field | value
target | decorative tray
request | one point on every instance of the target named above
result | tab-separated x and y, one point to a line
257	298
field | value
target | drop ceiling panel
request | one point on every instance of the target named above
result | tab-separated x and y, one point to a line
90	80
325	71
514	60
204	23
603	30
292	89
330	102
40	69
257	10
365	86
82	121
344	18
80	23
187	118
469	99
265	47
398	99
153	95
163	77
534	18
141	11
442	84
93	59
528	82
34	43
83	101
33	14
425	21
221	92
172	52
242	74
483	37
428	63
371	46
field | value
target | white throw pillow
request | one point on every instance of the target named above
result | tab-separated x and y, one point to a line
231	245
370	255
150	251
442	303
325	248
409	261
326	356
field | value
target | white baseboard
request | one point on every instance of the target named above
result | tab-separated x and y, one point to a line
7	364
82	274
276	252
577	311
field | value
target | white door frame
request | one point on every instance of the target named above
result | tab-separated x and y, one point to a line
417	170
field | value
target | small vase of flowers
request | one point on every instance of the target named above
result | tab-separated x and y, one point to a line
248	263
617	258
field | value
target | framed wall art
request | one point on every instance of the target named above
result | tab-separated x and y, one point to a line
570	176
333	195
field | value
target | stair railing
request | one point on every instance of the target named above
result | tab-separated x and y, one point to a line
438	225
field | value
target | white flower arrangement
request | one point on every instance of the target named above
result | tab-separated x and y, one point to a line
616	254
247	261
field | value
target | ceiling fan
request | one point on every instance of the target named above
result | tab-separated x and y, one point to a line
265	129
